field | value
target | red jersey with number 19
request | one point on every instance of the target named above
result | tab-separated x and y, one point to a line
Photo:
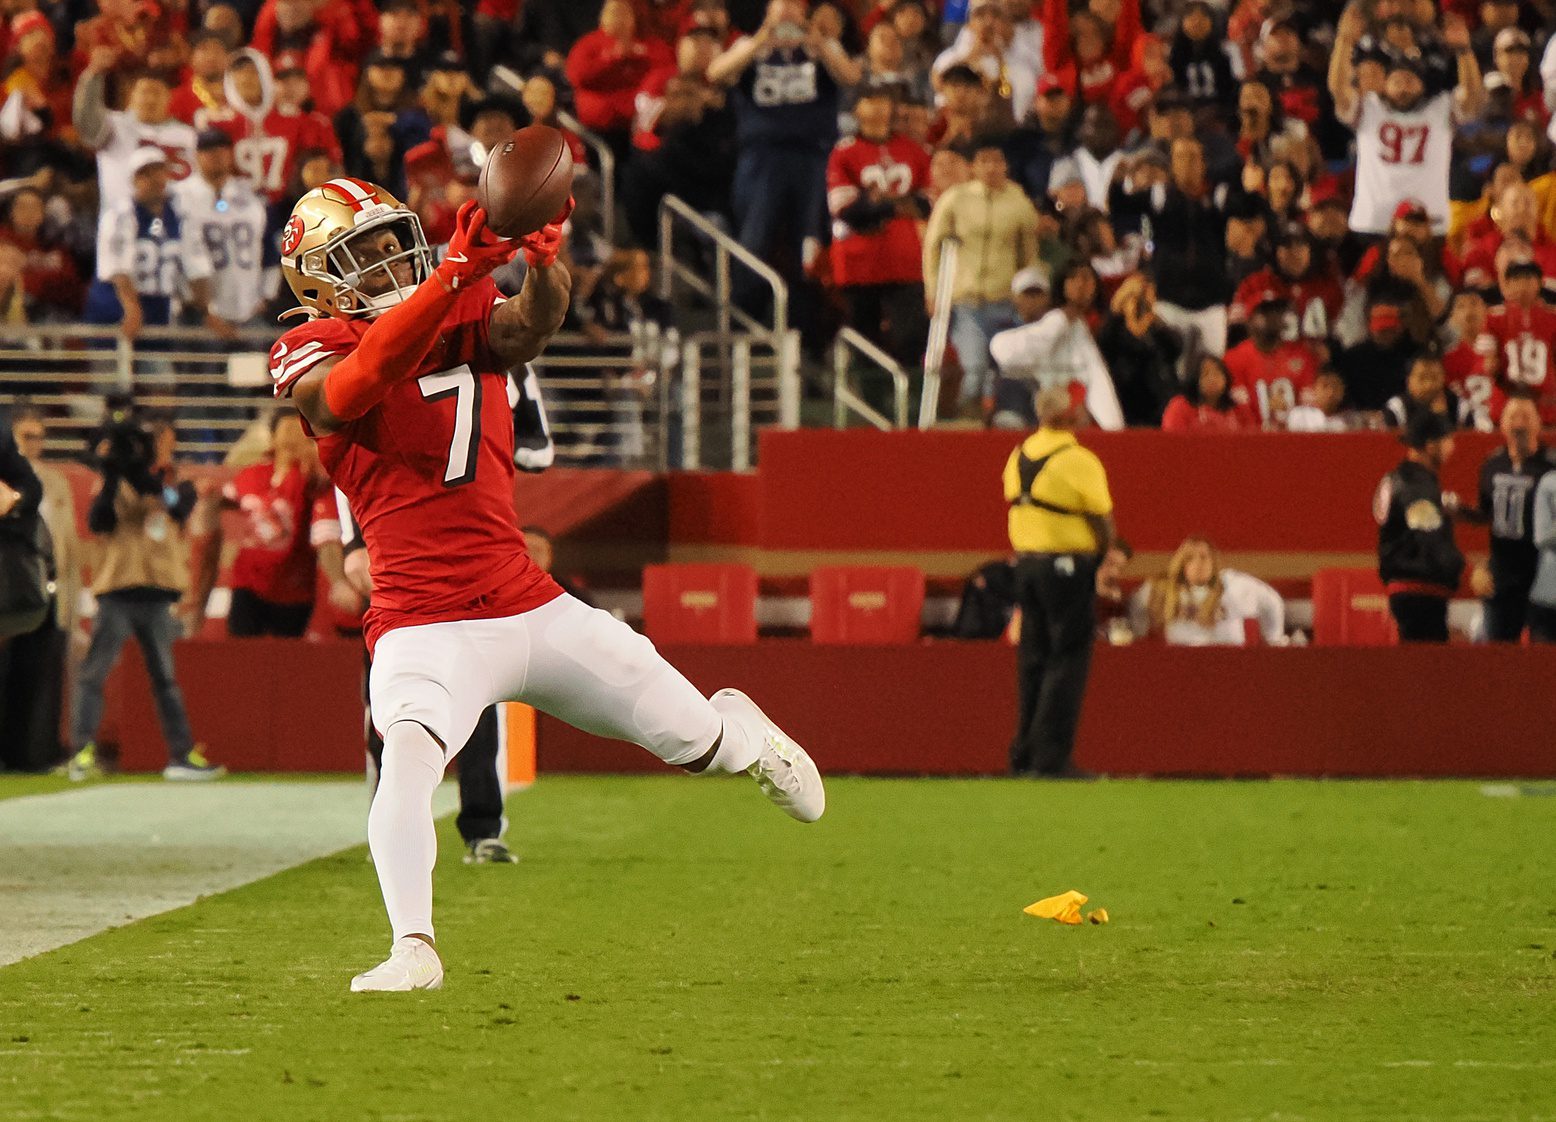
429	474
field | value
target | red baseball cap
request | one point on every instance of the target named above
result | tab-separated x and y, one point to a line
25	23
1383	316
1411	210
1048	84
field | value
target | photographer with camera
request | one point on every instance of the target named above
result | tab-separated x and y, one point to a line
142	571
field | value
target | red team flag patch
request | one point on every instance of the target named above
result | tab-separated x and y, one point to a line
292	235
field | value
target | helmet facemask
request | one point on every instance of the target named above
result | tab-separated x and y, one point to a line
365	283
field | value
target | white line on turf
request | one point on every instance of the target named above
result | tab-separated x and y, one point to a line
78	862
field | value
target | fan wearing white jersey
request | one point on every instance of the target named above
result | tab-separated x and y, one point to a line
1404	132
229	217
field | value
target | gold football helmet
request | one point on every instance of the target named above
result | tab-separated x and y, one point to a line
349	247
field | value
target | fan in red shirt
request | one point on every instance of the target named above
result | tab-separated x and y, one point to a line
288	512
402	378
1523	330
1469	376
1269	375
1315	296
269	123
204	88
607	67
1209	405
1516	217
1088	57
875	191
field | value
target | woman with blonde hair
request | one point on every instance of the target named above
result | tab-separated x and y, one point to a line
1201	604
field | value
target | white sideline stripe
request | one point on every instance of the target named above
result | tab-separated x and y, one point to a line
78	862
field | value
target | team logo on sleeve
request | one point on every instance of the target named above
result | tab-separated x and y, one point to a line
291	235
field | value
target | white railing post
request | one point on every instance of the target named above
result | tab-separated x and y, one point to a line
691	406
939	334
786	348
740	378
607	161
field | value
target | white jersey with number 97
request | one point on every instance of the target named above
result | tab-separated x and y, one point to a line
1401	156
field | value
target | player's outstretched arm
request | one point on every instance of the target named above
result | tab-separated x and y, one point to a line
521	327
336	392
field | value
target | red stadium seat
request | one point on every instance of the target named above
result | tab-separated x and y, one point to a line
866	604
699	603
1351	609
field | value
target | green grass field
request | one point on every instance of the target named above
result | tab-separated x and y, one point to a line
673	949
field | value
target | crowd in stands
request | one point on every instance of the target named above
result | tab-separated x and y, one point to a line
1204	215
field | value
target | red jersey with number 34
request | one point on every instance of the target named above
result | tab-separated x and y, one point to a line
429	474
1525	346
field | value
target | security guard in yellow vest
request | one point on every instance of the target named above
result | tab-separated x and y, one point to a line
1061	523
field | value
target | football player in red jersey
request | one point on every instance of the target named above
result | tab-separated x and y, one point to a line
402	379
1524	332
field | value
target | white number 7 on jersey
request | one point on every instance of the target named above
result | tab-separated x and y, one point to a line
464	387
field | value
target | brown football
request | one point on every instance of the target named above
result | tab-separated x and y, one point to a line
526	181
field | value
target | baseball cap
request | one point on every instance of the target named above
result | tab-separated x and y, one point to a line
1034	278
1525	268
1424	427
1326	192
147	157
378	58
1411	210
212	138
1279	23
1496	80
1270	298
1511	39
1293	233
446	62
25	23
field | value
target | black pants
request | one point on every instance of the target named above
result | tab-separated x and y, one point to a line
480	787
1507	610
892	316
1542	624
251	616
32	691
1421	619
1055	593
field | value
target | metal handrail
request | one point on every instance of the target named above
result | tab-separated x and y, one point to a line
843	395
673	207
939	333
607	161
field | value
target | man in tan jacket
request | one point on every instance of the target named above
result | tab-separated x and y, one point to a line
142	572
996	226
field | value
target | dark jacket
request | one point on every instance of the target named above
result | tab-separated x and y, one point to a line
1416	550
1188	234
1143	368
1506	502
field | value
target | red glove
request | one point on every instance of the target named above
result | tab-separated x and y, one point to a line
473	251
541	247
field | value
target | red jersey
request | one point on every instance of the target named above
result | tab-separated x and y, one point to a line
428	473
1479	265
1467	379
1272	384
1315	302
1525	341
266	151
1183	415
284	521
893	252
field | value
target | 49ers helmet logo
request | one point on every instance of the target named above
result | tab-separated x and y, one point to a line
291	235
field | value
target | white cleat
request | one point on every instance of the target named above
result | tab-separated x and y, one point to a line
412	965
784	771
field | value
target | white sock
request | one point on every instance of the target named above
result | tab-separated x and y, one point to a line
400	831
738	747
